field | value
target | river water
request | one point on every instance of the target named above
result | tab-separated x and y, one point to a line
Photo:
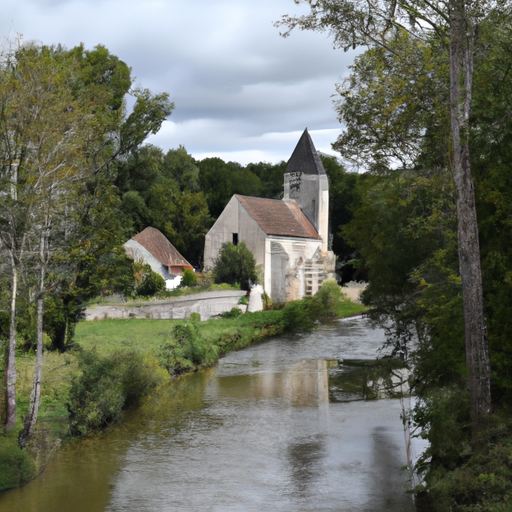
271	428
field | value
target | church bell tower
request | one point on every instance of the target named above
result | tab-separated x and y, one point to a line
305	181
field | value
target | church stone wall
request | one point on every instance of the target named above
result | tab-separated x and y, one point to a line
221	232
252	234
311	193
286	267
234	219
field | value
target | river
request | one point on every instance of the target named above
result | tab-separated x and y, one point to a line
269	429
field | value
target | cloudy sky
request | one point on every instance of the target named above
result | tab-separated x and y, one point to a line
241	92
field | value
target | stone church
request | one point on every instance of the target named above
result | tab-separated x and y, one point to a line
288	237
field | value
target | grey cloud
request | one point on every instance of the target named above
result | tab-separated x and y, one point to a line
233	79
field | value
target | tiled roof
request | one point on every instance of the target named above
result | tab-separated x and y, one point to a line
304	158
158	245
277	217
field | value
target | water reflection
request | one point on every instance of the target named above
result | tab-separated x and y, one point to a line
305	458
305	383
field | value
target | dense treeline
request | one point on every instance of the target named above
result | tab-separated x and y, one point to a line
182	197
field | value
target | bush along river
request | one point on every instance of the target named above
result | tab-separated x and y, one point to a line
296	423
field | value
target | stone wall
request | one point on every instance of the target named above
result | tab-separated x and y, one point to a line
207	304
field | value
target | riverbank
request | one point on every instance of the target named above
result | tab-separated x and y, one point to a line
173	345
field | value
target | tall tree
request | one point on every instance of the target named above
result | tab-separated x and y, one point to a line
62	127
353	23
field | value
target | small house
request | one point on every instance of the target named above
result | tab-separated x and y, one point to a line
151	247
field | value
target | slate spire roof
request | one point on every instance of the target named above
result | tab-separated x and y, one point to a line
277	217
157	244
305	158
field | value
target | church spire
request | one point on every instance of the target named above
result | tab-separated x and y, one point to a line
305	158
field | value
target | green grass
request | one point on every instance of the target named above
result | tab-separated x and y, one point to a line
348	308
109	336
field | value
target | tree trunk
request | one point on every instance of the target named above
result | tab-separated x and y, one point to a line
10	361
35	396
462	35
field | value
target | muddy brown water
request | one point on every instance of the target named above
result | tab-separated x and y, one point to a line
263	431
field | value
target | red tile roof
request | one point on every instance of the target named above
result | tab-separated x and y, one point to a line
158	245
276	217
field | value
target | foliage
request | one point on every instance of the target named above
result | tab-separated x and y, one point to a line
233	313
300	315
331	296
108	385
268	303
188	278
149	282
410	78
16	467
221	180
482	482
343	196
186	349
235	264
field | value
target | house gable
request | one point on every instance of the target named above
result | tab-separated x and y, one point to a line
152	247
233	225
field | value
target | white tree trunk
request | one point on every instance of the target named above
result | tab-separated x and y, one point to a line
35	396
10	362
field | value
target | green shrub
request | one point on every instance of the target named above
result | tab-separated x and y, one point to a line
186	349
106	386
151	283
235	264
188	278
16	467
268	303
331	296
300	315
234	313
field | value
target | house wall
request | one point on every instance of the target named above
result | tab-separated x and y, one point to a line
141	254
221	232
252	234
